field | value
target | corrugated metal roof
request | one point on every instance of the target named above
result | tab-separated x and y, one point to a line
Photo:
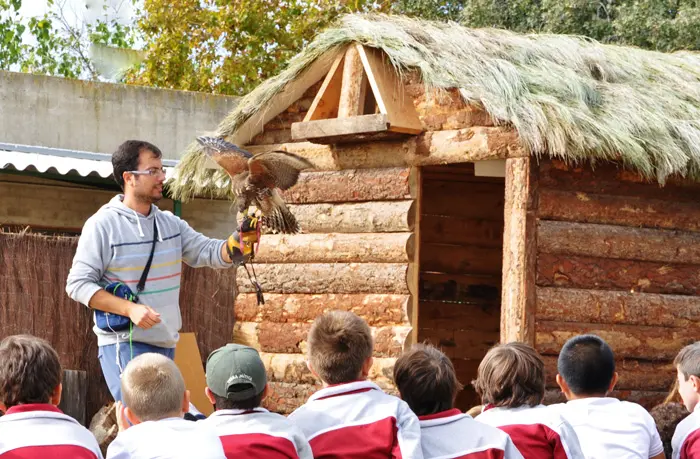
61	161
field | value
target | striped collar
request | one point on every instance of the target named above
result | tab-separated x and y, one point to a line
233	412
33	407
441	418
344	389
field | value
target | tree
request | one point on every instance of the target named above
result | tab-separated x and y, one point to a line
53	45
663	25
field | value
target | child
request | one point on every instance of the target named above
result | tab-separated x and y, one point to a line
426	380
606	426
152	425
351	417
510	381
30	391
236	386
686	439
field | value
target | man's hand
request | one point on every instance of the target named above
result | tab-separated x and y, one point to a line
242	243
143	316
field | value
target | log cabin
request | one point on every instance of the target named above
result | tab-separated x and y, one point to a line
474	187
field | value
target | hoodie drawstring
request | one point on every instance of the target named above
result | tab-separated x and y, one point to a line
160	233
138	222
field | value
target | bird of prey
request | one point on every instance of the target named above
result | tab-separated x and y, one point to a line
255	179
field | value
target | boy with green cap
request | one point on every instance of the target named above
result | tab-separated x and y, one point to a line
236	386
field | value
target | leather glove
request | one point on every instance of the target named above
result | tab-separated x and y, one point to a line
242	243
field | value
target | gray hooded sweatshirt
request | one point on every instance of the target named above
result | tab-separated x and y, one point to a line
114	246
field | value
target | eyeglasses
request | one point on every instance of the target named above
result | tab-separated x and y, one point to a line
153	171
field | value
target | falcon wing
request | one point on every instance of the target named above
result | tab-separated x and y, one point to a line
276	169
228	156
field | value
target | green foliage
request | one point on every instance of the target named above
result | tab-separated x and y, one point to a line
663	25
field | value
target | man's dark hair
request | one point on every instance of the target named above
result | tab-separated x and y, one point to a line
126	158
587	364
223	403
29	370
510	375
667	416
426	380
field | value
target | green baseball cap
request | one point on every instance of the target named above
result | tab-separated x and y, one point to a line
236	372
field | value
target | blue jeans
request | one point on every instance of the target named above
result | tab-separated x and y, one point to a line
113	365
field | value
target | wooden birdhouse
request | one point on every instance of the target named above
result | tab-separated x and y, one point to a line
361	99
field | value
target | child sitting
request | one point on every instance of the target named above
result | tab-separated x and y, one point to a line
606	426
236	386
426	380
686	439
351	417
30	391
510	381
151	425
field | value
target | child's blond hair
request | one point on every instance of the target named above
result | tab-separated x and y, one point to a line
153	387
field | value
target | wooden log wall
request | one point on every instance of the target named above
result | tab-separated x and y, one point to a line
618	257
461	240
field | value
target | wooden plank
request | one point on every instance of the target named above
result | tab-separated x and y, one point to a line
459	288
320	129
627	341
460	344
329	278
389	92
413	279
476	205
618	242
352	91
325	104
633	374
617	307
353	185
363	217
619	210
458	259
292	92
612	179
460	316
429	148
462	230
337	248
606	274
518	300
74	395
376	309
190	362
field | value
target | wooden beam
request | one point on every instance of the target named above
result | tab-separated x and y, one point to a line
337	248
292	92
430	148
618	242
518	299
325	104
611	307
414	280
361	124
389	92
352	92
74	397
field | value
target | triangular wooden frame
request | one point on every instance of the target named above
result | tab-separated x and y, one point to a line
339	112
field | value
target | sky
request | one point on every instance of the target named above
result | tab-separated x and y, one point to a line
81	10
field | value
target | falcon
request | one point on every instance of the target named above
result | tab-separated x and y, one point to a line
256	178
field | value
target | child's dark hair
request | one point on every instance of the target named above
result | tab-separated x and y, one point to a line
426	380
511	375
587	364
667	416
222	403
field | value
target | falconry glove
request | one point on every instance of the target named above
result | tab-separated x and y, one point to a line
241	242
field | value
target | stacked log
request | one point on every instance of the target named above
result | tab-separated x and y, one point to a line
619	257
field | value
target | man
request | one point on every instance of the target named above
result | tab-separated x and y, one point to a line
123	238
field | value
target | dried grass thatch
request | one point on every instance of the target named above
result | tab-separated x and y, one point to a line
568	97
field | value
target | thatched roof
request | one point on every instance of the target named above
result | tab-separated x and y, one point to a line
568	97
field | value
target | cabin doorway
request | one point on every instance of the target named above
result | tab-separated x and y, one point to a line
461	243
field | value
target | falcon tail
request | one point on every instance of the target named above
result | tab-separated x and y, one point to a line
281	219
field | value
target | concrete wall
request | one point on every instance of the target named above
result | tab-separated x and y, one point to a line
97	117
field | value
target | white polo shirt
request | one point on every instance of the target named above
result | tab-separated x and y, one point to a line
537	431
454	435
608	427
172	438
686	438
